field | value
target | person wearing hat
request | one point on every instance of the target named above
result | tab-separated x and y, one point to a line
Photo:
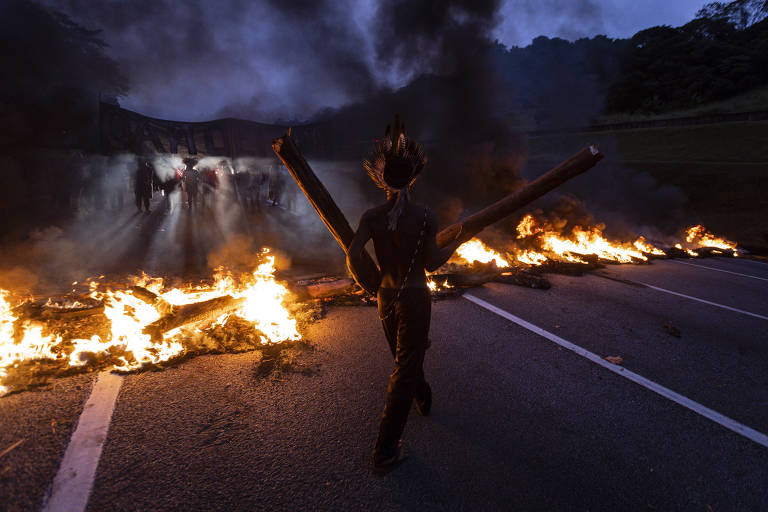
403	234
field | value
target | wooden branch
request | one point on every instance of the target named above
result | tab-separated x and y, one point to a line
204	311
366	271
468	279
322	289
475	223
152	299
523	278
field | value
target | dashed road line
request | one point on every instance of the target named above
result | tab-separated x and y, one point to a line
678	294
720	270
723	306
730	424
74	480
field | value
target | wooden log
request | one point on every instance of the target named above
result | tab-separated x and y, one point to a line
366	271
472	225
204	311
322	289
523	278
329	289
469	279
152	299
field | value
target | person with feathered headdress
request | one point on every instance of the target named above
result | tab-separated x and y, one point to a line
403	234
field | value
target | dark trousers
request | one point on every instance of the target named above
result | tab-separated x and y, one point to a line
406	328
142	197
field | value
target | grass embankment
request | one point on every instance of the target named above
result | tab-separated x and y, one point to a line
754	100
722	169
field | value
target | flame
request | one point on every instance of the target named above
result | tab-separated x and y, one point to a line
539	241
700	237
263	305
531	257
33	344
552	244
591	241
690	252
643	246
574	246
434	286
527	227
475	250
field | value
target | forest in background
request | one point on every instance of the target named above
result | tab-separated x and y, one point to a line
721	53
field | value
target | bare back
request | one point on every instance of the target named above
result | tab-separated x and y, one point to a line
395	249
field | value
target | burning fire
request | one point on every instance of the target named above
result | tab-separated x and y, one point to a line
539	241
573	247
261	302
700	237
643	246
475	250
434	286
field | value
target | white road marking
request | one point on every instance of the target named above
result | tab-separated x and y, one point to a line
720	270
679	399
74	480
729	308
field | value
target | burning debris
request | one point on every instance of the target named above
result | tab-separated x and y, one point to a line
140	325
145	323
701	238
540	247
539	242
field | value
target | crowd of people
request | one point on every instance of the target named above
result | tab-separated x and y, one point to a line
65	184
199	187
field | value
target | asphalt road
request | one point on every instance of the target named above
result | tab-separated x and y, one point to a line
519	423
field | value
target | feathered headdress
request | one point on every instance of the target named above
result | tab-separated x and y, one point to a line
393	164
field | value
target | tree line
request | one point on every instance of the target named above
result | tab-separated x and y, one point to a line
721	53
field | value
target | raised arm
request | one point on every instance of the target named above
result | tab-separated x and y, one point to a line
434	257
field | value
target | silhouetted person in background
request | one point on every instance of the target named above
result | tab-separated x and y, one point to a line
169	188
143	185
191	182
403	236
210	182
276	186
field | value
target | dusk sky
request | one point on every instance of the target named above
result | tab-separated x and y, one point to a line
274	60
524	20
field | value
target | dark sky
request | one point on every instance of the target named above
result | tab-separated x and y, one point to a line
571	19
272	59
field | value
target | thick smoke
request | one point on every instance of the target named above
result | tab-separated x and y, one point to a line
258	60
455	106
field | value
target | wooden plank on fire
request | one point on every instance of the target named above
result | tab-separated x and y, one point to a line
286	149
323	289
472	225
152	299
205	311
